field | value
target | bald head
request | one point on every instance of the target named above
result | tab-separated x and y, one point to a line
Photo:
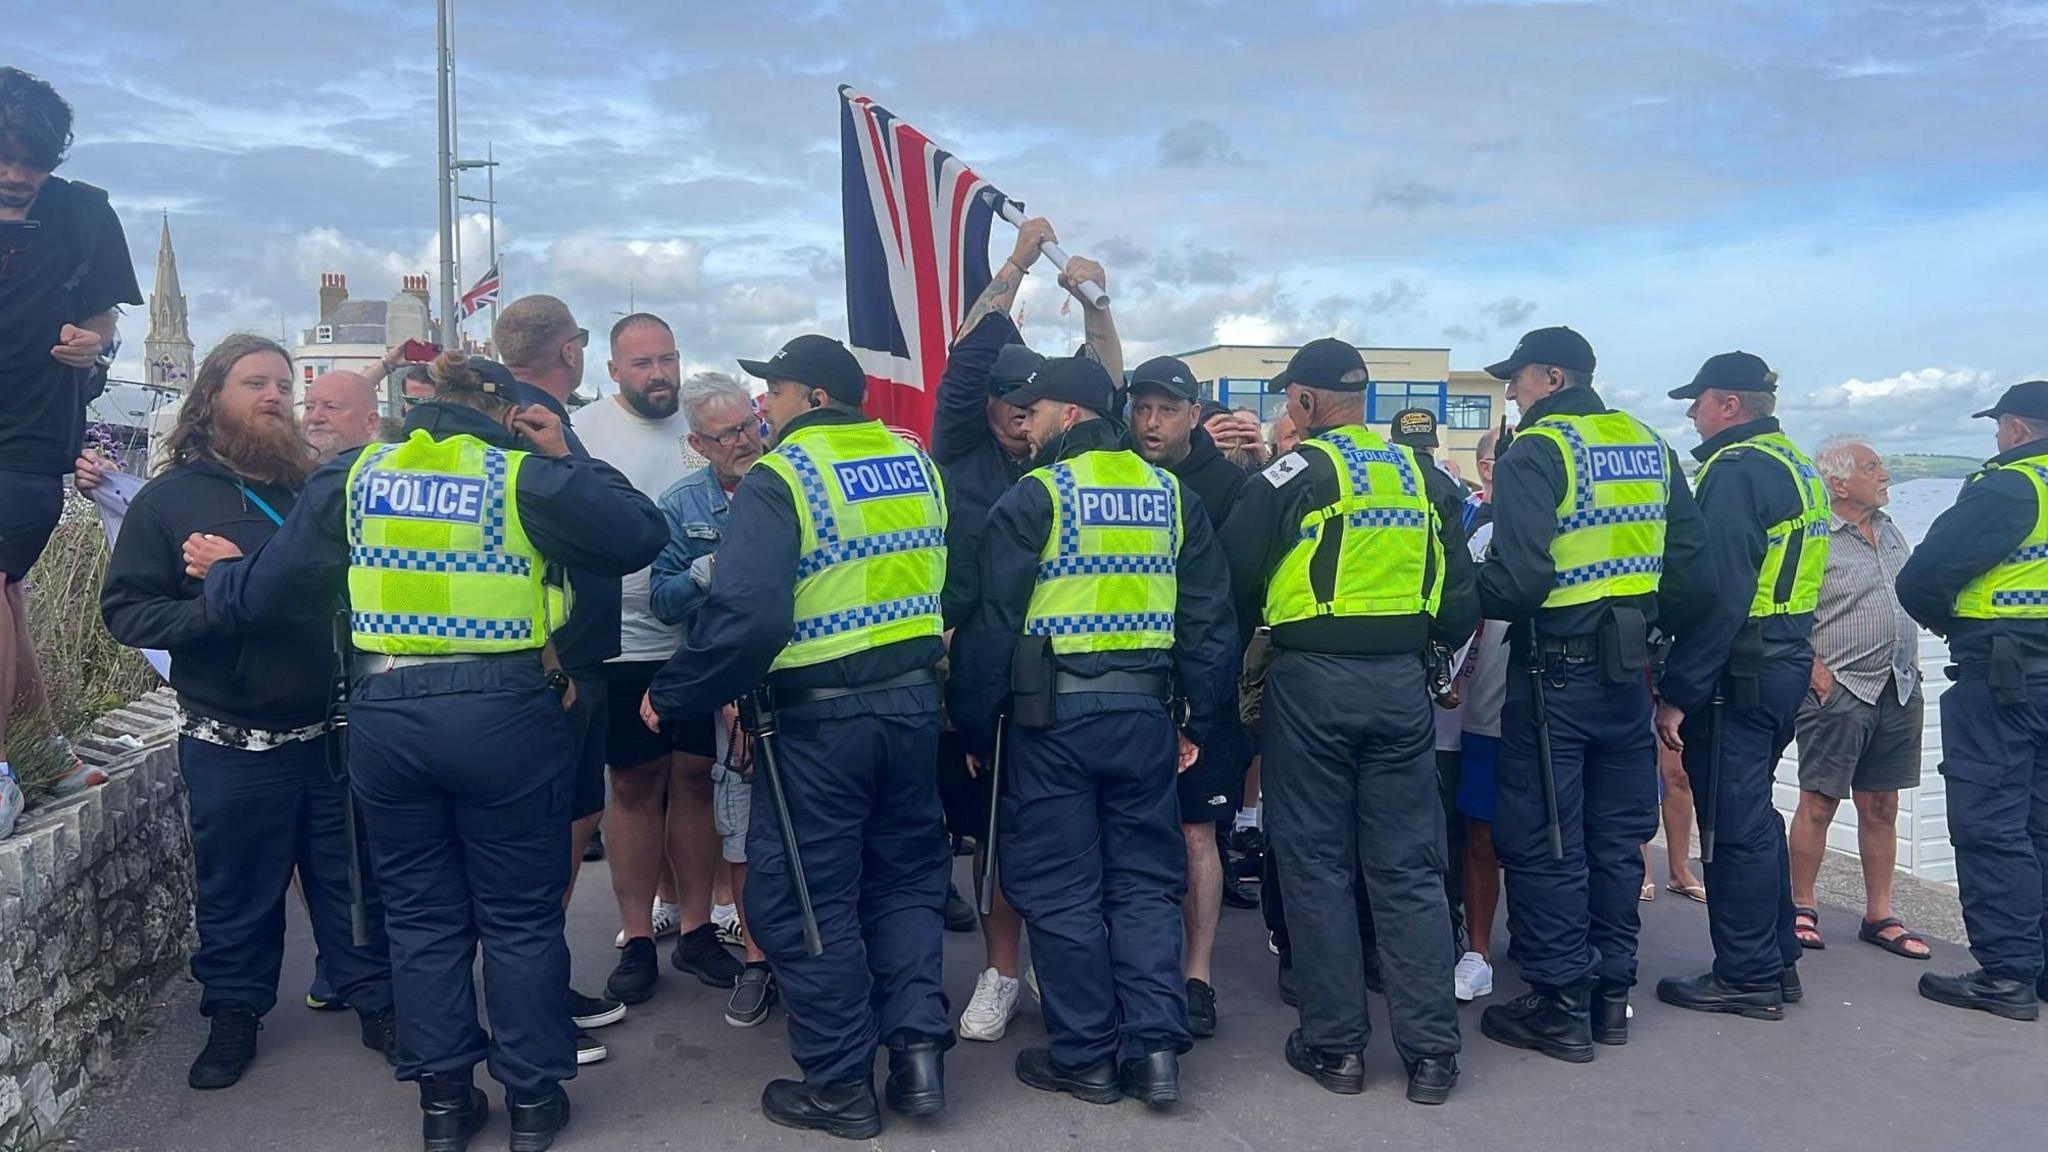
341	413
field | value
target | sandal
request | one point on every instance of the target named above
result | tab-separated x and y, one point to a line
1697	893
1872	932
1806	926
1649	891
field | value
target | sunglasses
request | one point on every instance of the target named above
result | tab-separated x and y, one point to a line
581	339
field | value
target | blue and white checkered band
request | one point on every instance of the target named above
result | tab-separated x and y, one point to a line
365	500
1619	514
1172	511
2038	472
1356	458
1067	489
1623	566
432	560
1094	623
1372	518
447	627
863	547
833	623
823	524
2015	599
2026	555
1117	565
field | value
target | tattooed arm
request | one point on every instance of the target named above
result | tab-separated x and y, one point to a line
1097	324
1002	288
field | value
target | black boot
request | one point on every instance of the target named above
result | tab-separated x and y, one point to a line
380	1034
1710	993
1558	1024
1431	1078
537	1118
1789	986
1096	1084
1201	1009
1238	894
846	1109
230	1045
960	915
1610	1013
917	1077
1153	1078
1979	989
452	1110
1339	1072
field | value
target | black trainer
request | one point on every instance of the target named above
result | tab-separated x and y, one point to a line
1153	1078
1557	1024
230	1045
537	1118
917	1077
1201	1009
594	1011
960	915
1431	1078
1610	1013
633	977
1709	993
1238	894
380	1035
1098	1083
452	1109
594	851
1977	989
846	1110
1250	846
752	997
1339	1072
699	953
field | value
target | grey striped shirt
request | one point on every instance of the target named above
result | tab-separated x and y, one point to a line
1859	630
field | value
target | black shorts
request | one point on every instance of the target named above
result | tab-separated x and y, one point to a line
587	724
967	800
627	742
29	506
1213	786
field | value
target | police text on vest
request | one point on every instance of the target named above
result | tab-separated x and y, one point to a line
880	477
1124	507
1628	463
425	496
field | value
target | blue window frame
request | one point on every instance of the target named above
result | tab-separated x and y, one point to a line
1387	397
1468	413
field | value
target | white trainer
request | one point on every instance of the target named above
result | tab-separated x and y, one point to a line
988	1013
725	918
667	918
1474	977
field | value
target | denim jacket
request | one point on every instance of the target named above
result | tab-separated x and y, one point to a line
695	508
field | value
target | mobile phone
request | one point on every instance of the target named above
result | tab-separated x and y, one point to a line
418	351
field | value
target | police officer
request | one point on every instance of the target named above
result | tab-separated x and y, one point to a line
1729	695
1980	580
1338	548
825	590
459	751
1101	583
1594	529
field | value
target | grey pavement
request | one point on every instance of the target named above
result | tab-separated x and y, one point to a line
1863	1063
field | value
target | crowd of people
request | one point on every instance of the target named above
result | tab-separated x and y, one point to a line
1139	654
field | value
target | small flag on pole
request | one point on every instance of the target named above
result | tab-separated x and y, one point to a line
485	292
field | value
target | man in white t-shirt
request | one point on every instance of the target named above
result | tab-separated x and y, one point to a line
640	430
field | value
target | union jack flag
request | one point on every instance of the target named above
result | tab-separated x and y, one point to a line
485	292
917	228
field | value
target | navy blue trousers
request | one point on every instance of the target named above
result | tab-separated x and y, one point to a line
1576	917
1995	761
256	817
1092	857
863	795
463	772
1749	915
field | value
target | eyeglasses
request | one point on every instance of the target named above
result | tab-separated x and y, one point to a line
732	435
582	338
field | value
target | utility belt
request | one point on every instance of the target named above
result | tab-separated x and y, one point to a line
1747	656
2006	671
790	697
1620	646
1157	685
1036	683
378	663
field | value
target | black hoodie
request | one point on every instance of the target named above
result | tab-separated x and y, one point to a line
275	677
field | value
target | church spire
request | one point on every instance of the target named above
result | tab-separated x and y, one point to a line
168	348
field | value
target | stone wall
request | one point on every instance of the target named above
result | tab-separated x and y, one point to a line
95	914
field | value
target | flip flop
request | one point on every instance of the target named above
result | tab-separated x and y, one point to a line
1697	893
1872	932
1649	891
1811	925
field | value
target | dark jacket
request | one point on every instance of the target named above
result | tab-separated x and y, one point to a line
1209	474
1992	517
1528	485
746	619
1204	655
1743	494
579	513
1266	524
274	676
976	469
591	635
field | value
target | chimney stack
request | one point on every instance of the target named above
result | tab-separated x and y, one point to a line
333	290
417	286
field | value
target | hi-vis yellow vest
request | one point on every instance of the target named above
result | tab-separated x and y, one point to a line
1390	561
1107	574
873	553
438	561
2016	588
1804	537
1610	524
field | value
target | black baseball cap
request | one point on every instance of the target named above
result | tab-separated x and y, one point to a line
1014	364
1167	374
1730	372
815	362
1415	428
497	378
1322	364
1070	380
1558	347
2029	400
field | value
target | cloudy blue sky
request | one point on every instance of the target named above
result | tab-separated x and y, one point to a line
1854	191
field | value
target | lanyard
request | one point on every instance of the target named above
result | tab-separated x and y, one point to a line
260	503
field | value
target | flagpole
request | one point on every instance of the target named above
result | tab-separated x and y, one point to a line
491	190
1053	254
451	326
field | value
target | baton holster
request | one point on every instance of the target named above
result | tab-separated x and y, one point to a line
1746	666
1032	687
1624	644
2006	673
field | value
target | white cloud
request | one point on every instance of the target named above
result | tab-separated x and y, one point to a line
655	267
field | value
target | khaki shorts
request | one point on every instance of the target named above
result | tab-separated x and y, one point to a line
1846	745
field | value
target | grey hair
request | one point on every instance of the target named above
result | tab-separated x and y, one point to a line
1834	460
1487	440
702	389
1756	405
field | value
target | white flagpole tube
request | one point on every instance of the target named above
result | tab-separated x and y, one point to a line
1057	257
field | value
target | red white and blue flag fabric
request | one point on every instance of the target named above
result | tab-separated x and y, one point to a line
917	228
485	292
